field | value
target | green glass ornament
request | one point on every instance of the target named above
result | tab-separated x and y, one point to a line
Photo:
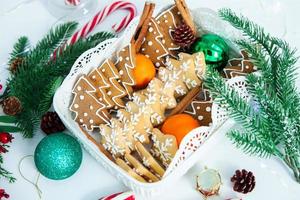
58	156
214	48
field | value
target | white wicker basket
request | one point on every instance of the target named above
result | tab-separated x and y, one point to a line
180	165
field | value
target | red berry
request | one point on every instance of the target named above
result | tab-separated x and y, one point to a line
3	150
5	137
3	194
1	87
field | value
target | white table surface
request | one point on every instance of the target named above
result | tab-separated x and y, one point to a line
91	181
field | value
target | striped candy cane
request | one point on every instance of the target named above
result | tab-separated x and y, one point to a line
72	2
101	15
120	196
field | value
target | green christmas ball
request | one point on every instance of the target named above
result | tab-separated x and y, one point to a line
214	48
58	156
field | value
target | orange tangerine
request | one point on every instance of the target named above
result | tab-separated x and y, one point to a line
179	125
144	71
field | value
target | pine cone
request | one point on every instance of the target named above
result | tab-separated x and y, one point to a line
184	36
15	64
11	105
243	181
51	123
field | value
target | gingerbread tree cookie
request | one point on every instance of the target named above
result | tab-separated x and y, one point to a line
154	45
200	107
193	67
116	91
89	112
168	21
125	64
164	146
101	83
239	66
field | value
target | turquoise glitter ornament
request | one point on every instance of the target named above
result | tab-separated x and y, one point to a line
58	156
214	48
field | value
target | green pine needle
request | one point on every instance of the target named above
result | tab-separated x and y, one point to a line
20	49
41	53
252	145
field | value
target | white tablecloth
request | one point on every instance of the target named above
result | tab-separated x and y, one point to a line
91	181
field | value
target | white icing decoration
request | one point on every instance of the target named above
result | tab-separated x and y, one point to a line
161	148
91	121
208	109
150	43
150	29
81	97
200	117
109	93
79	88
76	105
85	114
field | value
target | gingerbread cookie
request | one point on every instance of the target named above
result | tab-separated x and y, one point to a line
132	107
123	115
238	66
164	146
154	44
121	163
102	86
140	169
168	21
114	140
177	75
116	91
141	122
200	107
89	112
193	67
125	64
148	160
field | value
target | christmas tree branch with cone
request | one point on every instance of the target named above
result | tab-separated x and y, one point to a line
272	129
36	74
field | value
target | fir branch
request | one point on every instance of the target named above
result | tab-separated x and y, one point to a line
270	45
20	49
274	90
268	105
42	52
240	110
61	65
99	37
7	175
253	145
35	86
47	95
4	173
